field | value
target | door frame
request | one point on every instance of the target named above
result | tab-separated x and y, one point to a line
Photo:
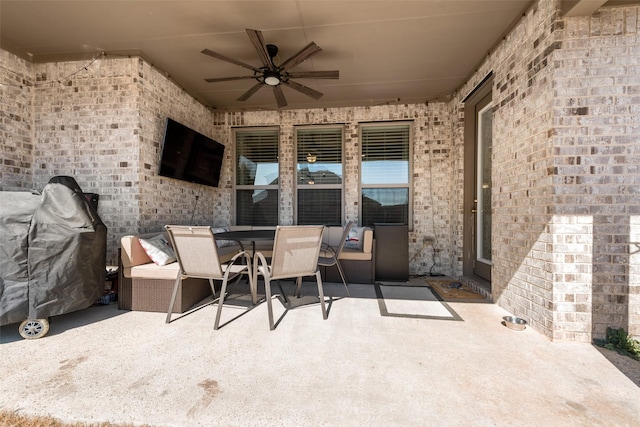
471	103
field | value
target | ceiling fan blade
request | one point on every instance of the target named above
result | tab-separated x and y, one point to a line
258	42
335	74
227	79
305	53
250	92
280	99
226	58
304	89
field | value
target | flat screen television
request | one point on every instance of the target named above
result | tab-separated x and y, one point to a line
188	155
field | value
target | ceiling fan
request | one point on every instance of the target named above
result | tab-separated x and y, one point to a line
274	75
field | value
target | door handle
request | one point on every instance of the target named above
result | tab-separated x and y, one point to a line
474	210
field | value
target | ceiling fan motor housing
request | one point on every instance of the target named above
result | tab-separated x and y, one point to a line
272	49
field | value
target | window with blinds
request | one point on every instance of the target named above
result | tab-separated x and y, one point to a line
257	173
319	175
385	173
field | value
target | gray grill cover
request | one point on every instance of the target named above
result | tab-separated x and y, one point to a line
52	252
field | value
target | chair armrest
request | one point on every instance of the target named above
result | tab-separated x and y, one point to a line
327	251
260	260
244	254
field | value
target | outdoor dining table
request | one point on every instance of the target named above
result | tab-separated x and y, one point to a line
252	236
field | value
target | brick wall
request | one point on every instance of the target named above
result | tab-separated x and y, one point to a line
165	200
634	276
102	123
596	117
16	119
85	126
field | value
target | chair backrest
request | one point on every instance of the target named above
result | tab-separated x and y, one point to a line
196	250
296	250
345	234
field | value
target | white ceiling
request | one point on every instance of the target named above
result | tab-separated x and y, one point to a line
386	51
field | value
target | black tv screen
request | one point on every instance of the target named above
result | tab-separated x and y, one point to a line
188	155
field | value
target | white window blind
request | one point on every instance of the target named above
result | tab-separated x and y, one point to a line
257	157
385	173
257	174
319	175
385	155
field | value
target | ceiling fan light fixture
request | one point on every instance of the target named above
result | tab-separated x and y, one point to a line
271	78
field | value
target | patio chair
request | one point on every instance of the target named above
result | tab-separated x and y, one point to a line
329	255
295	255
197	255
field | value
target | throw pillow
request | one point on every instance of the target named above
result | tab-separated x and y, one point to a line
158	249
222	243
355	238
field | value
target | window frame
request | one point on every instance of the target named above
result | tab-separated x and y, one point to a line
297	186
408	185
236	187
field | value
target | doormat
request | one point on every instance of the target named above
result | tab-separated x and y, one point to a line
452	290
412	302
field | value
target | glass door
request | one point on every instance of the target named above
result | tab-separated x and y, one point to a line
478	150
482	264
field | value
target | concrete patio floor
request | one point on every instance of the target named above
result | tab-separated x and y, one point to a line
358	367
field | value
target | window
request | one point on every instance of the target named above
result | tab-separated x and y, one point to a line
385	173
256	184
319	175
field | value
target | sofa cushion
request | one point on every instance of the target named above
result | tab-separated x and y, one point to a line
354	255
153	271
170	271
158	249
